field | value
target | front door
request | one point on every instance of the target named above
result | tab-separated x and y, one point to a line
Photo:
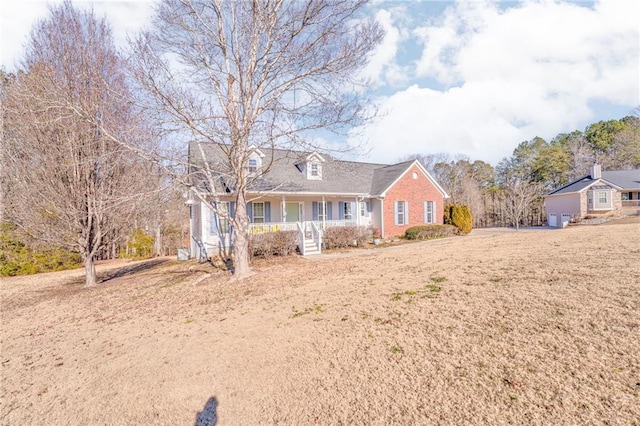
294	212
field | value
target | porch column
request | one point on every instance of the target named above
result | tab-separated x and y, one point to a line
324	216
283	209
357	212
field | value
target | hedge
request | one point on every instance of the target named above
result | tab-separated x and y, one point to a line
428	232
345	236
281	243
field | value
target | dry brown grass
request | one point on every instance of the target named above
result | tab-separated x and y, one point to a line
533	327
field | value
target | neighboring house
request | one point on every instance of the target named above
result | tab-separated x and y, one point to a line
614	192
308	192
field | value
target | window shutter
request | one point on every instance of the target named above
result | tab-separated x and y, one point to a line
426	210
329	211
341	210
434	215
213	227
314	208
368	204
395	212
232	214
267	211
250	212
406	212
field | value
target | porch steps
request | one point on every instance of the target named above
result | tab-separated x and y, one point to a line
310	247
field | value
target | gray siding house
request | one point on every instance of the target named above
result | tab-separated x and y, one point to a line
601	193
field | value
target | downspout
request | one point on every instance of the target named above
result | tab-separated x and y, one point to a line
202	228
381	216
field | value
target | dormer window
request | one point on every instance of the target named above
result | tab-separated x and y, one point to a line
314	170
252	166
255	160
311	166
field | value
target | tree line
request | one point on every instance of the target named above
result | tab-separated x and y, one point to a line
512	192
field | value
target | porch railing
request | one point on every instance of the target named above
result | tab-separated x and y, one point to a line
322	225
317	234
630	203
261	228
300	237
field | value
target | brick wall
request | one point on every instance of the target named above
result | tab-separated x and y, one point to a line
416	192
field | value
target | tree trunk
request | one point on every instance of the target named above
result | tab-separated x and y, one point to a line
158	240
90	272
241	268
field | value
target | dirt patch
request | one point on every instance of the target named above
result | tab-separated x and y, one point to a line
514	328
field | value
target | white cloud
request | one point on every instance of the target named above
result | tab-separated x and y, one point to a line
383	67
503	75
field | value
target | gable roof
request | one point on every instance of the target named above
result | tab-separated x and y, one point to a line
619	179
338	177
385	177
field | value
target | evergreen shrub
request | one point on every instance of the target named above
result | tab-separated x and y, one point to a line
428	232
17	258
140	245
459	216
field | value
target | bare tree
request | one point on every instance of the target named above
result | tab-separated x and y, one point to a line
248	74
71	185
429	161
520	198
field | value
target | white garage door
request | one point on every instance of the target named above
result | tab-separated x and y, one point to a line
553	220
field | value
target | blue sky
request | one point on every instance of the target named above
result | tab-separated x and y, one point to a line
470	78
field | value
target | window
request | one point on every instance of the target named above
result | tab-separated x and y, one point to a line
625	196
314	170
322	214
253	165
347	213
602	197
258	212
429	212
365	208
321	210
401	212
220	221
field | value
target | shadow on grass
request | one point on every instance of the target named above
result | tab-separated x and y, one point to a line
209	414
132	269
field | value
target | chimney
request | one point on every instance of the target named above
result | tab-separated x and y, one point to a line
596	171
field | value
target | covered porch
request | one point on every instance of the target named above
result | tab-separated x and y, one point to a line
308	215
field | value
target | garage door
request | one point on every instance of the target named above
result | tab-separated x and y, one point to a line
553	220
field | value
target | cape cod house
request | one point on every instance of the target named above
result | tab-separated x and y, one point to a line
615	192
308	192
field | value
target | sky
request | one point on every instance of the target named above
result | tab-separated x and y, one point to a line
470	78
